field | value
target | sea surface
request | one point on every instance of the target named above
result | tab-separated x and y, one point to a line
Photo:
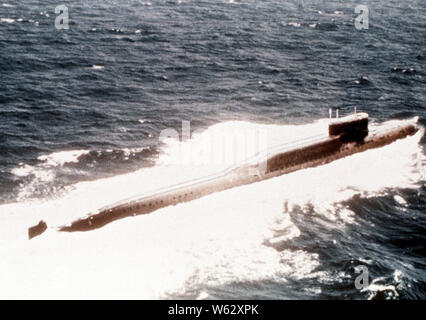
81	114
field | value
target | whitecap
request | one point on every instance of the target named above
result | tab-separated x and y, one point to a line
294	24
400	199
23	170
7	20
131	152
62	157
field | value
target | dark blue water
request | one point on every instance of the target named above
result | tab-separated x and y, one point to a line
277	62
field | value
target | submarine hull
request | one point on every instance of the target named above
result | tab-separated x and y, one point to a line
337	145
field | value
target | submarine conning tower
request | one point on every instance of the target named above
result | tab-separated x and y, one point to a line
353	127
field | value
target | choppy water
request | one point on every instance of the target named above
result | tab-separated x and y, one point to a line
81	111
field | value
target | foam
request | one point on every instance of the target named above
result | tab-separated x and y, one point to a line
7	20
209	242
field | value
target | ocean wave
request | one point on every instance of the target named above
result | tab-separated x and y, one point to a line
41	179
54	159
62	157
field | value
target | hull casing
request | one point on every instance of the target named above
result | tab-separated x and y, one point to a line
325	149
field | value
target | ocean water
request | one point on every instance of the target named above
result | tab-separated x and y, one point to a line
82	110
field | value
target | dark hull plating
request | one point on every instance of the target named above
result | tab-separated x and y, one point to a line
281	162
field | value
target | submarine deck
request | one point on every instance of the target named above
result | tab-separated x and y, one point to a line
281	159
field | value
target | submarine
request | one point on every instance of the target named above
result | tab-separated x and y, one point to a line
346	136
